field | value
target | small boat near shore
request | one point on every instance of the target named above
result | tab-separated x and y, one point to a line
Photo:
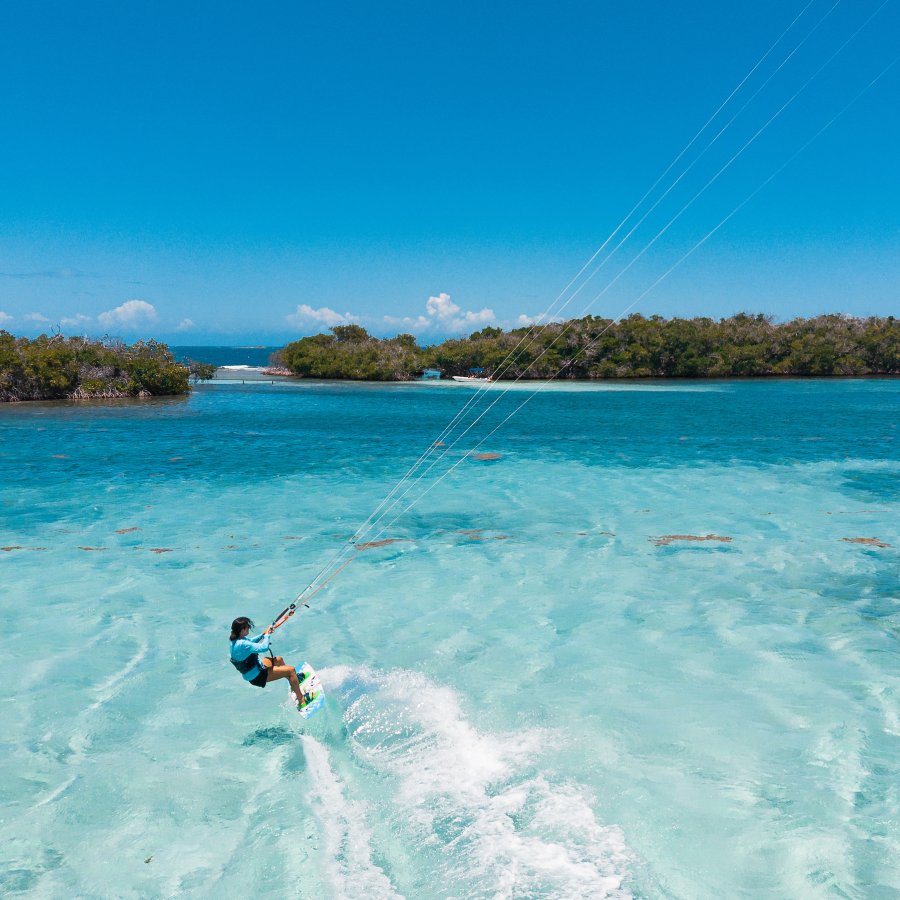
475	376
471	379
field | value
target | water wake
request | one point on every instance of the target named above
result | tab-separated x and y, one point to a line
347	840
474	804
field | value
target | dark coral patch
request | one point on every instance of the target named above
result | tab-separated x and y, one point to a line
382	543
666	539
871	542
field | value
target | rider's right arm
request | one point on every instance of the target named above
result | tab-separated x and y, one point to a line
261	641
243	647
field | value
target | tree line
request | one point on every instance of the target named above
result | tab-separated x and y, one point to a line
75	368
635	347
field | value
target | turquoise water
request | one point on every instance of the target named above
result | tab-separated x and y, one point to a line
528	695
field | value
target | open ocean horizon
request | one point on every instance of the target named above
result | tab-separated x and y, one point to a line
256	357
642	641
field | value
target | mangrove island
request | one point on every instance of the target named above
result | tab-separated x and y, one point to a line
596	348
77	368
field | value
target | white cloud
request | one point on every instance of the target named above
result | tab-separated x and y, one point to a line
74	321
184	325
525	320
441	307
419	323
129	314
324	316
442	314
5	317
37	317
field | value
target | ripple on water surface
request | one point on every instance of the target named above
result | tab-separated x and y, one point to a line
648	646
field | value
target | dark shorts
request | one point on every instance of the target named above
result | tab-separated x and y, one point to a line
261	679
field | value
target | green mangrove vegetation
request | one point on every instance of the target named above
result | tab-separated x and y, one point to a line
76	368
636	347
351	352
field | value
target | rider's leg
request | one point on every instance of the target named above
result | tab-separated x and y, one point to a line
289	672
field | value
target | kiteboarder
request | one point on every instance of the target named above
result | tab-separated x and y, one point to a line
257	669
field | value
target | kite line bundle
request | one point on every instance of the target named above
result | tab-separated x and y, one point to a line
398	501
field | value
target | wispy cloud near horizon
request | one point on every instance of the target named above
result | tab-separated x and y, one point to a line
306	315
524	320
62	272
75	321
442	314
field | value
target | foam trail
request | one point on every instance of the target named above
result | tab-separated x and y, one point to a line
352	872
492	823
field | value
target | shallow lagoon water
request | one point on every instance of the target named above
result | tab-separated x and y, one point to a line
529	695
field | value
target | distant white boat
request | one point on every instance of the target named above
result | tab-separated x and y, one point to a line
471	379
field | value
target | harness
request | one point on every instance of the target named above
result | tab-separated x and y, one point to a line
246	665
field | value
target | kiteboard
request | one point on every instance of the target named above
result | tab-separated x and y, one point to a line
314	696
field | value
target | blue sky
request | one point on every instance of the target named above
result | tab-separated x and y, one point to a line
247	173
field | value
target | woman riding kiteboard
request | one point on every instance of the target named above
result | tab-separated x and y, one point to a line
246	657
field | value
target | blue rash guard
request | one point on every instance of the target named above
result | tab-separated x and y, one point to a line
245	647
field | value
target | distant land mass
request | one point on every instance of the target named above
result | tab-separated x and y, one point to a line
56	367
743	345
77	368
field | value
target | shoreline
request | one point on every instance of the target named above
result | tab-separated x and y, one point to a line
278	372
250	375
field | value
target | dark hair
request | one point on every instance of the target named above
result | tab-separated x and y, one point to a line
238	625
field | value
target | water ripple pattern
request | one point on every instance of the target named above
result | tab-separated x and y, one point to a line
646	643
